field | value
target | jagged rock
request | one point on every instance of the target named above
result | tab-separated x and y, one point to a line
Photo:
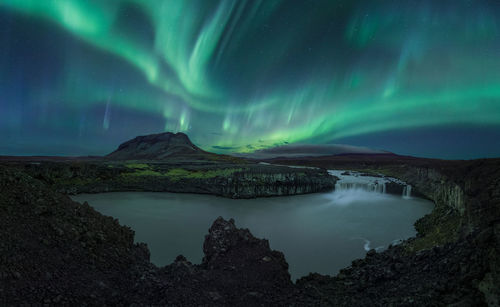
75	256
228	248
49	244
238	269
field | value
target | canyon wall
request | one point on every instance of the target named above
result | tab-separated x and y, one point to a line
228	180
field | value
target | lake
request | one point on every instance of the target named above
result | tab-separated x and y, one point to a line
320	232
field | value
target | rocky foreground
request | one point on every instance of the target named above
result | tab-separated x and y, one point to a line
56	251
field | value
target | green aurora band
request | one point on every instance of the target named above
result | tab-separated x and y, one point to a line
246	75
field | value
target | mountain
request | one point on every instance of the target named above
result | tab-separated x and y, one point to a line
169	145
306	150
157	147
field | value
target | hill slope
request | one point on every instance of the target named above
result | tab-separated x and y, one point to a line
156	147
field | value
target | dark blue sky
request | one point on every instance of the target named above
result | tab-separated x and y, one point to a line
421	78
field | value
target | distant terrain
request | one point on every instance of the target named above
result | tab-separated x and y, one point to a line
170	162
306	150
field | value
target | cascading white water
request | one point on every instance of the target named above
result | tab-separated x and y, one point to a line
352	180
407	191
370	187
354	187
349	180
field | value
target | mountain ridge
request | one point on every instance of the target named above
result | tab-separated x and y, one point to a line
157	146
312	150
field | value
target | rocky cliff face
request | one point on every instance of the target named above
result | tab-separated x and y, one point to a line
466	216
249	184
466	194
228	180
55	251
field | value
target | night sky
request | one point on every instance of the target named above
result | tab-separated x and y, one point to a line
78	77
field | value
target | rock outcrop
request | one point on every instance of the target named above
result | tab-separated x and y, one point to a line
237	270
453	274
56	251
227	180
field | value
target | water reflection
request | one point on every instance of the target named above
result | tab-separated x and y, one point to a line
320	232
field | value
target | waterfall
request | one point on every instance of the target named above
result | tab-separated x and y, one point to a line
407	191
365	186
353	180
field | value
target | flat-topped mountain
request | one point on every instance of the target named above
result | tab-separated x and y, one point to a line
156	147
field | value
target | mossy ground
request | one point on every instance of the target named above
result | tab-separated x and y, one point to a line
176	174
436	229
180	173
138	165
144	172
76	181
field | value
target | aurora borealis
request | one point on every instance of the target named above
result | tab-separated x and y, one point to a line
414	77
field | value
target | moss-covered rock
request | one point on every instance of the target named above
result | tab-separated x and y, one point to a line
228	180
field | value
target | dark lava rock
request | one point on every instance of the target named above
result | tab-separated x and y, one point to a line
457	273
238	269
394	188
235	257
54	251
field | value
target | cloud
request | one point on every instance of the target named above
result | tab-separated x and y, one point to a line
224	147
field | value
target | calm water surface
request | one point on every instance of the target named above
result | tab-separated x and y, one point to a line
320	232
